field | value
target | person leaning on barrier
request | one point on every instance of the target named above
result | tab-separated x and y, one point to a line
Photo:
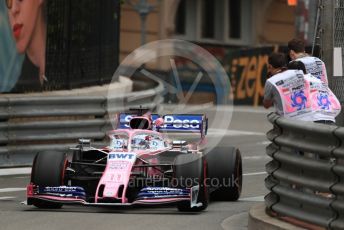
325	105
286	90
313	65
276	65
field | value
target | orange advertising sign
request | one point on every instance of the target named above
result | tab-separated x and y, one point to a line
292	2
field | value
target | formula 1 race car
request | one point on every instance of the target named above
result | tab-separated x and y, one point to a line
139	166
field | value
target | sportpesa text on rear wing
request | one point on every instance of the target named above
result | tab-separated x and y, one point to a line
171	122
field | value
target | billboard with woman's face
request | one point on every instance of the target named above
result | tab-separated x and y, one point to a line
57	44
10	60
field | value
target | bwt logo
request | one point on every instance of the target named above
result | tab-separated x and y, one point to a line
177	123
122	156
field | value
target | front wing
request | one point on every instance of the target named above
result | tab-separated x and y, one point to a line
147	196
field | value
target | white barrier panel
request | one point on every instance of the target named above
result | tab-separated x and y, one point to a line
337	62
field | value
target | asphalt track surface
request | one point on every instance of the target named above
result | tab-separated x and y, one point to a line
247	132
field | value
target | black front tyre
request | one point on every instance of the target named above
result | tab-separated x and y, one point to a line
48	170
225	167
191	170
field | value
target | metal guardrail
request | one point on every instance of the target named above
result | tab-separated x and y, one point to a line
32	124
306	174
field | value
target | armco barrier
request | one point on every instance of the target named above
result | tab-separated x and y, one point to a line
32	124
306	174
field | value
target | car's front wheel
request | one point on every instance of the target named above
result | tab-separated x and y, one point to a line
48	170
191	170
225	170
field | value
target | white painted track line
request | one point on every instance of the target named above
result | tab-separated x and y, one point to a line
253	199
14	171
18	171
254	174
256	158
7	198
12	189
231	132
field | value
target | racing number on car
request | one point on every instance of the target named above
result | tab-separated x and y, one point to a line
115	177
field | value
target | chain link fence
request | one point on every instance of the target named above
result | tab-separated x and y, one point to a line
338	39
330	34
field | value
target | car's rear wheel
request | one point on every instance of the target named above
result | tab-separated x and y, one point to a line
191	170
225	171
48	170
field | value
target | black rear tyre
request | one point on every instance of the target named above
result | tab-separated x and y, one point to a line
191	170
225	170
48	170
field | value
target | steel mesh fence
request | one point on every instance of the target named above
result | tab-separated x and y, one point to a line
82	43
338	39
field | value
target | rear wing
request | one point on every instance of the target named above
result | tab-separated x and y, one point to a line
195	123
187	123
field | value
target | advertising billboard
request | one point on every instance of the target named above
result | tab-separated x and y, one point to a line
57	44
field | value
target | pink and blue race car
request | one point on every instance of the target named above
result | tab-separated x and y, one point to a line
139	166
